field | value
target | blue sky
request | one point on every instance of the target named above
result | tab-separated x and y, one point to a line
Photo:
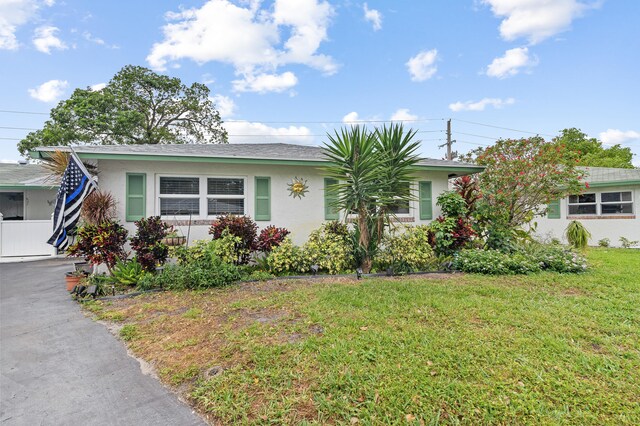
291	70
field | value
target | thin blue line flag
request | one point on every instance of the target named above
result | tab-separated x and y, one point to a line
76	184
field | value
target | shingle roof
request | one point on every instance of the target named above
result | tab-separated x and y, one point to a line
610	175
24	175
259	151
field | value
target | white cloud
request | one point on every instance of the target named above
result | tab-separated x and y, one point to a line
13	14
264	83
97	87
49	91
481	105
403	114
350	117
254	132
535	20
615	136
374	16
45	39
225	105
511	63
249	38
422	66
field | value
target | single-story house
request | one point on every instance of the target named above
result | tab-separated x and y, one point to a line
189	185
608	207
27	199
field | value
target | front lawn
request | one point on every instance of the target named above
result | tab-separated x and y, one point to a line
442	349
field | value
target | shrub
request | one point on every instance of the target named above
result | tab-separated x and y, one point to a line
627	243
493	262
452	204
286	259
98	207
193	276
240	226
103	243
605	242
331	248
147	243
554	257
200	251
271	237
448	235
407	251
128	273
577	235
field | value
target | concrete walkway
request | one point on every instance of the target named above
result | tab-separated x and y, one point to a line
59	367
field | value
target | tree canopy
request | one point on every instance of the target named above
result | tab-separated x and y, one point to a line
582	150
137	106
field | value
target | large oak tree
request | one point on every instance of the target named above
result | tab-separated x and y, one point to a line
137	106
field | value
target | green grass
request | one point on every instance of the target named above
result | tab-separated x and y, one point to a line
538	349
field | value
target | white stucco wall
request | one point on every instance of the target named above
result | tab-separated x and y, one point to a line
300	216
39	203
611	228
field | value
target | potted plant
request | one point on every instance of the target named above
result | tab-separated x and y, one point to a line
173	239
73	279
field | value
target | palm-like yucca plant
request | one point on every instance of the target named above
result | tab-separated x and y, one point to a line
374	171
577	235
99	207
57	163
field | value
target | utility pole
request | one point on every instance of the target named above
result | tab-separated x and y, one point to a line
449	157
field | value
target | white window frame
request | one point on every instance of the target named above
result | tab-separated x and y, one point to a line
225	197
595	203
616	202
202	196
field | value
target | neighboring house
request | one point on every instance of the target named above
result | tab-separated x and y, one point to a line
192	184
608	208
27	199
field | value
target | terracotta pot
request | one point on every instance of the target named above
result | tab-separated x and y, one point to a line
72	280
175	241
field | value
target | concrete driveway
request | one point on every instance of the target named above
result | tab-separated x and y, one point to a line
59	367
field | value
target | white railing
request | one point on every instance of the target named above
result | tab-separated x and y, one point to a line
25	238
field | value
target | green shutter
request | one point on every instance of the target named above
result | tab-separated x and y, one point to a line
426	207
263	198
553	209
330	211
136	199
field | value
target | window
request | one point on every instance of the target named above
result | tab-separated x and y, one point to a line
583	204
12	205
616	202
179	196
402	207
604	203
225	195
201	196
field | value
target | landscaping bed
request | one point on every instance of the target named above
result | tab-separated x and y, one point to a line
436	349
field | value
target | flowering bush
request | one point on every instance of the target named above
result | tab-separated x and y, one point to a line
407	251
271	237
286	259
240	226
529	258
103	243
493	262
147	243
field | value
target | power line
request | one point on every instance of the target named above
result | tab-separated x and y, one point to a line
10	139
23	112
17	128
503	128
478	136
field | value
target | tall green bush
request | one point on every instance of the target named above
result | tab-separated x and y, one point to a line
331	248
407	250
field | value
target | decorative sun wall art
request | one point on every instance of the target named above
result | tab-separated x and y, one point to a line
298	187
